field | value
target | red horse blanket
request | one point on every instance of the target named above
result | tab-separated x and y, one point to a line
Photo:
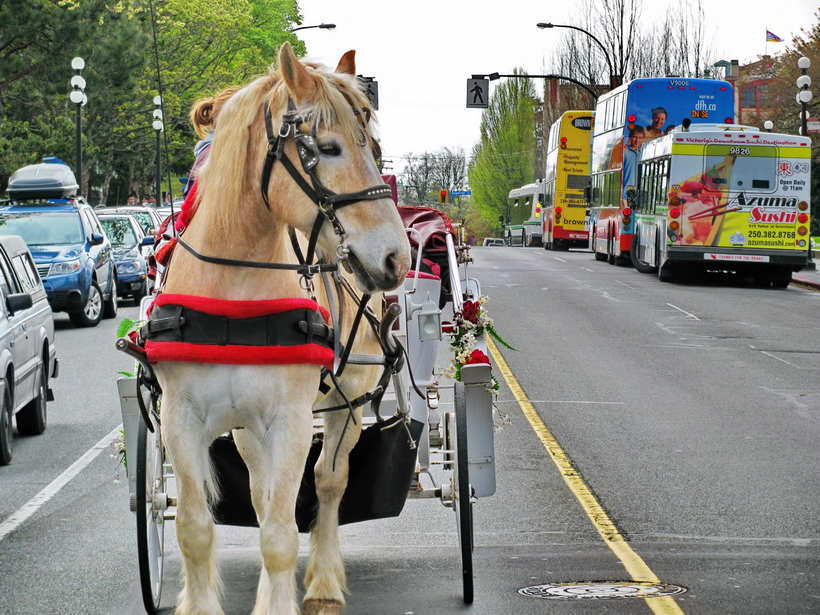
275	332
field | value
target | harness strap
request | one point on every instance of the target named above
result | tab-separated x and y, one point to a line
302	269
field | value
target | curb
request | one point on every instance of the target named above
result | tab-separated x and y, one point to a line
804	282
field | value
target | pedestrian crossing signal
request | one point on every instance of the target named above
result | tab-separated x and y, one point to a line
442	196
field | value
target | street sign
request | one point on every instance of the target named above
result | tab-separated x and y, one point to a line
460	193
478	93
813	124
371	88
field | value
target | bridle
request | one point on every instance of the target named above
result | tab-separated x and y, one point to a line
325	199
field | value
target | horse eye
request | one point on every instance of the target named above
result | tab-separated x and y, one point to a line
330	149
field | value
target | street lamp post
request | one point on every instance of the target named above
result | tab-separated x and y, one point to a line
803	97
159	127
804	94
614	80
323	26
78	97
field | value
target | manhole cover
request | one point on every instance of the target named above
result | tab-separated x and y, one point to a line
601	591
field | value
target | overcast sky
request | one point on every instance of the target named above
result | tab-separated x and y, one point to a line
422	52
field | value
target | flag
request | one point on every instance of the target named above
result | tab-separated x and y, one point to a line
771	37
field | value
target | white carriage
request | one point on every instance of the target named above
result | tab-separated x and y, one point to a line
450	456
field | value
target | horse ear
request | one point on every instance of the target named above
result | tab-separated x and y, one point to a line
296	76
347	64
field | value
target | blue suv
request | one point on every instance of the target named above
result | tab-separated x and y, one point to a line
72	253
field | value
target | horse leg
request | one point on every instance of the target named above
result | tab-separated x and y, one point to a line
325	575
201	588
252	454
276	474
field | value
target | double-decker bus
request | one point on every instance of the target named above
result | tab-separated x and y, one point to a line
522	223
723	197
627	118
567	176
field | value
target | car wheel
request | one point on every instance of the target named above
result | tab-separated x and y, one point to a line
92	312
110	306
31	420
5	428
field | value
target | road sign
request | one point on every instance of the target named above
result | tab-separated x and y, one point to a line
813	124
478	93
371	88
460	193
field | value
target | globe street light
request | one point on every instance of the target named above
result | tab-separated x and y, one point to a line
804	94
159	127
78	97
324	26
614	80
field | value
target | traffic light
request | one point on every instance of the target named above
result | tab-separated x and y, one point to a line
443	196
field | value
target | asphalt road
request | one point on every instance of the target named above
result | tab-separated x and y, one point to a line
690	411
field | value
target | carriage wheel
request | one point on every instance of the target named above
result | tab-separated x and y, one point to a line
151	504
462	501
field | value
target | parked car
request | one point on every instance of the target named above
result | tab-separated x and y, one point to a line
28	357
148	217
127	240
493	241
73	256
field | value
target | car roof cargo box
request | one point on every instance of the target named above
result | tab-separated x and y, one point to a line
52	179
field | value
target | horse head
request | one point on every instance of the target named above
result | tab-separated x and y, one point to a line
304	135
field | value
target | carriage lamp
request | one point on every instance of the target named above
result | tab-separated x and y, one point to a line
429	319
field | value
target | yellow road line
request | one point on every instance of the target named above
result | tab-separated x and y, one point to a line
634	564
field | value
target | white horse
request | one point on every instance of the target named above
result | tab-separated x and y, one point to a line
204	396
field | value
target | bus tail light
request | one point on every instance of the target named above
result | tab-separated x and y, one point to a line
563	142
729	120
802	218
674	212
802	206
802	230
627	212
674	225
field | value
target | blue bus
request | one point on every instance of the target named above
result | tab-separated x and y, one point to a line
625	119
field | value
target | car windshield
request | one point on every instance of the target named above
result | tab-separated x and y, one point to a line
119	232
144	218
44	229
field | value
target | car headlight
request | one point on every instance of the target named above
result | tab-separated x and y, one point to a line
65	267
130	267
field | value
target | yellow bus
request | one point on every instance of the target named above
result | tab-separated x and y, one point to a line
569	149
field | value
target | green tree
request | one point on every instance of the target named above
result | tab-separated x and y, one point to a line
202	47
505	157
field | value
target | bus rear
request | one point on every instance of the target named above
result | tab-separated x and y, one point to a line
567	177
522	221
738	200
627	118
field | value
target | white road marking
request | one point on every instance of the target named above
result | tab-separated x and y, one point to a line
684	311
34	504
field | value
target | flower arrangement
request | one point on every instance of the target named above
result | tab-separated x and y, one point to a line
471	324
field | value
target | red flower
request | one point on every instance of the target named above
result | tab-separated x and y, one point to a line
470	311
476	356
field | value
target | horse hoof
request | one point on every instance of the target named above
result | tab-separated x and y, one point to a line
319	606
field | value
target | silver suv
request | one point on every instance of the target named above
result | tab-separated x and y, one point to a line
28	357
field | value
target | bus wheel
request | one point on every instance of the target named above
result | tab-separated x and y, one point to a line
639	265
782	279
